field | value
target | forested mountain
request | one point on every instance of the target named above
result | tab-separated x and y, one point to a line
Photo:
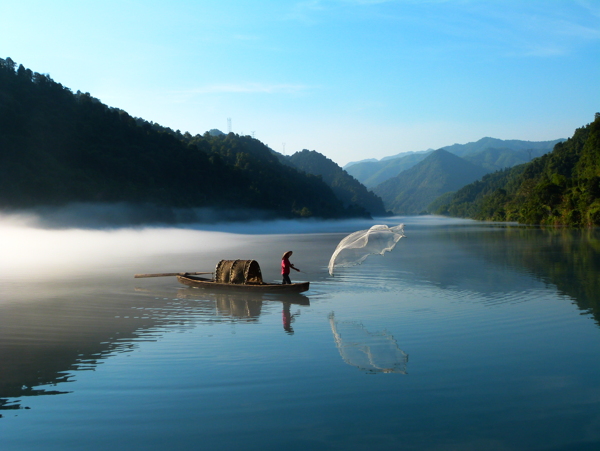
411	191
57	147
559	188
353	194
490	153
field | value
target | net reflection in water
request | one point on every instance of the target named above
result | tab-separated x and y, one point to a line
376	352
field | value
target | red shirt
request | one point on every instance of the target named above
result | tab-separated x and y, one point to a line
285	266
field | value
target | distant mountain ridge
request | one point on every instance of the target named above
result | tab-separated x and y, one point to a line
490	143
372	174
411	191
390	157
513	152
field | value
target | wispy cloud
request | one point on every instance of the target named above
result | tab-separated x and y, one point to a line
512	28
250	88
310	12
539	51
364	2
304	11
577	30
536	32
246	37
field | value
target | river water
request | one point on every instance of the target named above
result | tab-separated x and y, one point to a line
467	336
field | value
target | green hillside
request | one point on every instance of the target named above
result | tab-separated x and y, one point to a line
353	194
559	188
59	147
411	191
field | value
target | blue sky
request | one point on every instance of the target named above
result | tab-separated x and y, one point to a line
352	79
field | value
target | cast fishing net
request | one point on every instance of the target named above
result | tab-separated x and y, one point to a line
356	247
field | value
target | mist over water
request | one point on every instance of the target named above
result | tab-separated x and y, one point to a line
52	252
30	247
122	214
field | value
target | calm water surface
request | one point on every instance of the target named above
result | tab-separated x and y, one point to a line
468	336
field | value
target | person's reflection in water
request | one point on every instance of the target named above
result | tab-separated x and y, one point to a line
288	318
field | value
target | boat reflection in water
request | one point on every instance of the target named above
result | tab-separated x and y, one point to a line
375	352
246	306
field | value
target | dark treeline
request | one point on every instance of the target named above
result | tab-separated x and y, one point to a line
559	188
58	147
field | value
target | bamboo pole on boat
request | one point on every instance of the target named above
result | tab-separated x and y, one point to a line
167	274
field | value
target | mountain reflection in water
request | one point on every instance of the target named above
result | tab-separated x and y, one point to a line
45	342
567	259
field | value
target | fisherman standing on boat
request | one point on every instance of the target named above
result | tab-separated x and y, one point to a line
285	268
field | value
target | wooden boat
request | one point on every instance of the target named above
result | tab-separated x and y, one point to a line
201	282
237	275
